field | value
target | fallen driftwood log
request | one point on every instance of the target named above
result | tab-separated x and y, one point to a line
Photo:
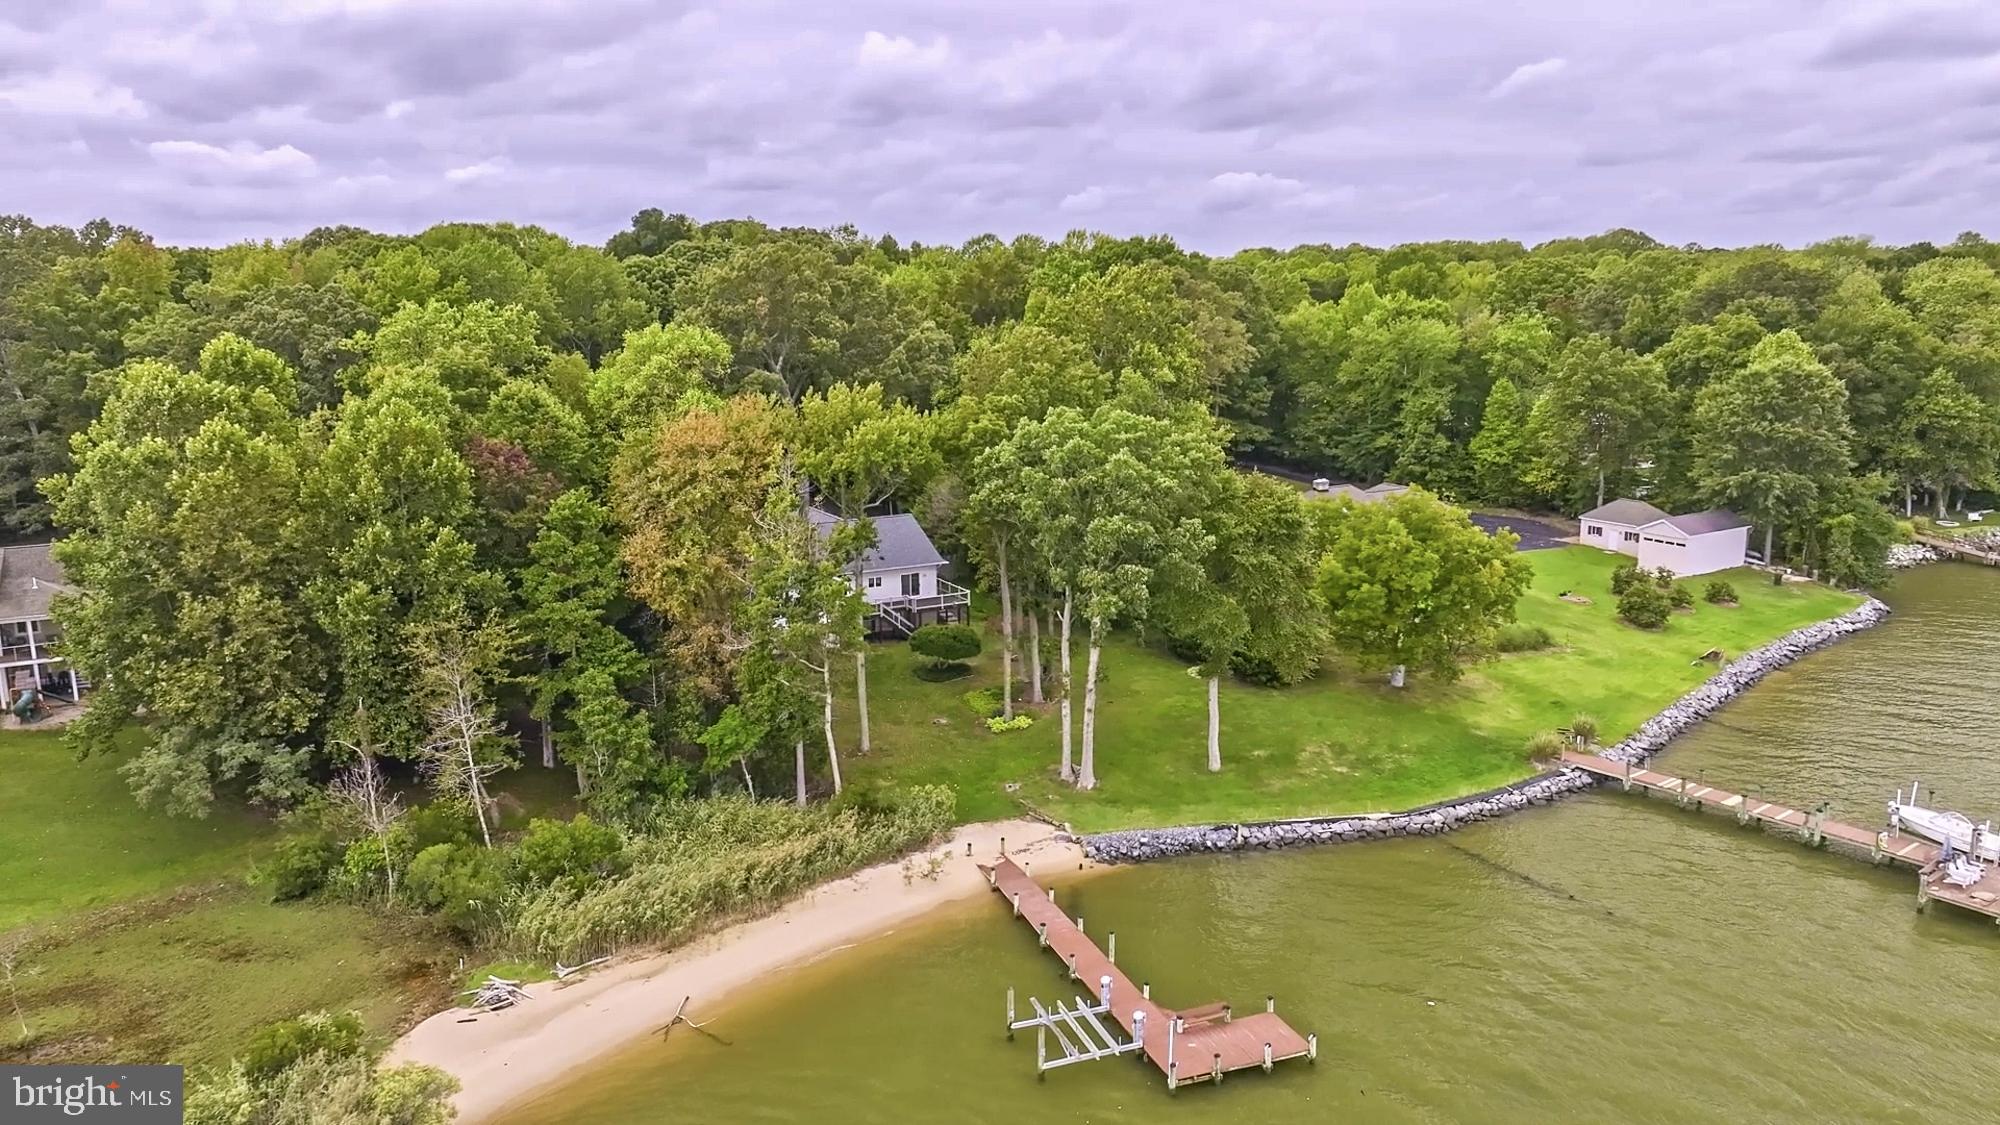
563	972
680	1016
496	993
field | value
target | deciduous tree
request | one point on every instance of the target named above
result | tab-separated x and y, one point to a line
1594	419
1772	436
1409	582
687	500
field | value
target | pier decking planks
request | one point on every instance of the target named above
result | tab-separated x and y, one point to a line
1212	1040
1953	549
1877	846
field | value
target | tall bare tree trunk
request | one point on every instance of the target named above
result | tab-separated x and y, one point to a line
1600	485
1034	658
478	791
826	722
1006	630
1215	724
548	746
799	768
749	785
1086	777
1068	772
1768	559
1908	501
861	691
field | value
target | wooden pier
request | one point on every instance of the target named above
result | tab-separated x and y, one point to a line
1813	828
1957	551
1188	1045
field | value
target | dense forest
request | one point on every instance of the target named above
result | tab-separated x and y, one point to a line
359	494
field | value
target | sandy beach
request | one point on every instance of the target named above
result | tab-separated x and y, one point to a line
503	1058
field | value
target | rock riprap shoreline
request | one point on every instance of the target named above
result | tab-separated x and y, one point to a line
1903	556
1135	845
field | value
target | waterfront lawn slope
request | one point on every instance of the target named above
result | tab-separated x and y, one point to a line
1344	742
135	937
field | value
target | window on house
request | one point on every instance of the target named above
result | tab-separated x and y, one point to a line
1592	529
912	585
874	582
1631	537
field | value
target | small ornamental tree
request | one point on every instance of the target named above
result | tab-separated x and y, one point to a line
1645	605
1719	593
1680	597
1623	575
945	644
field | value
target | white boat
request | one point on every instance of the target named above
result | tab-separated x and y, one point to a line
1943	826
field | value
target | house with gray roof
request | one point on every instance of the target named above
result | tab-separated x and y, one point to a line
1695	543
902	576
30	579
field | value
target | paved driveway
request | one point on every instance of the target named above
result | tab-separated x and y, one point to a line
1535	535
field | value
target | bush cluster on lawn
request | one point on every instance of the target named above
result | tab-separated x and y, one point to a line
1544	745
301	866
1583	727
1719	592
1644	604
945	644
1021	721
984	702
316	1069
1520	636
1680	597
1626	575
1623	575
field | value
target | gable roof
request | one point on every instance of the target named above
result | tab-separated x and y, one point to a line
30	579
1632	513
900	541
1703	523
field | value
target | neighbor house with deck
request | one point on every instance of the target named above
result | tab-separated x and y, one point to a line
30	579
1695	543
902	577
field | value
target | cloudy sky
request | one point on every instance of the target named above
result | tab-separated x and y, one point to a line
1224	124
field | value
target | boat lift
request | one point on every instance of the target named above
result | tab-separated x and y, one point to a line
1093	1040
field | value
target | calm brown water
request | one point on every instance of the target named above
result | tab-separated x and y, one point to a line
1608	960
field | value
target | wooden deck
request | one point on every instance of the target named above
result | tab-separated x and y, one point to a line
1961	552
1814	828
1187	1044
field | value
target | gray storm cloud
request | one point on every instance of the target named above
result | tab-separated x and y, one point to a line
1264	122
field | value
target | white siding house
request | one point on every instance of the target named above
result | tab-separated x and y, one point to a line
1696	543
1615	526
30	579
901	577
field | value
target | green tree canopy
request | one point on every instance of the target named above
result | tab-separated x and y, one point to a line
1772	436
1409	582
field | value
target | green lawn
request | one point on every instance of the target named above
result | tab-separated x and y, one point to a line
139	940
187	978
75	839
1340	743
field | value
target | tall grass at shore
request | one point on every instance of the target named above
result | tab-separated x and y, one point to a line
701	862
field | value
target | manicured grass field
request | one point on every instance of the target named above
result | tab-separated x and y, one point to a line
74	838
1340	743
